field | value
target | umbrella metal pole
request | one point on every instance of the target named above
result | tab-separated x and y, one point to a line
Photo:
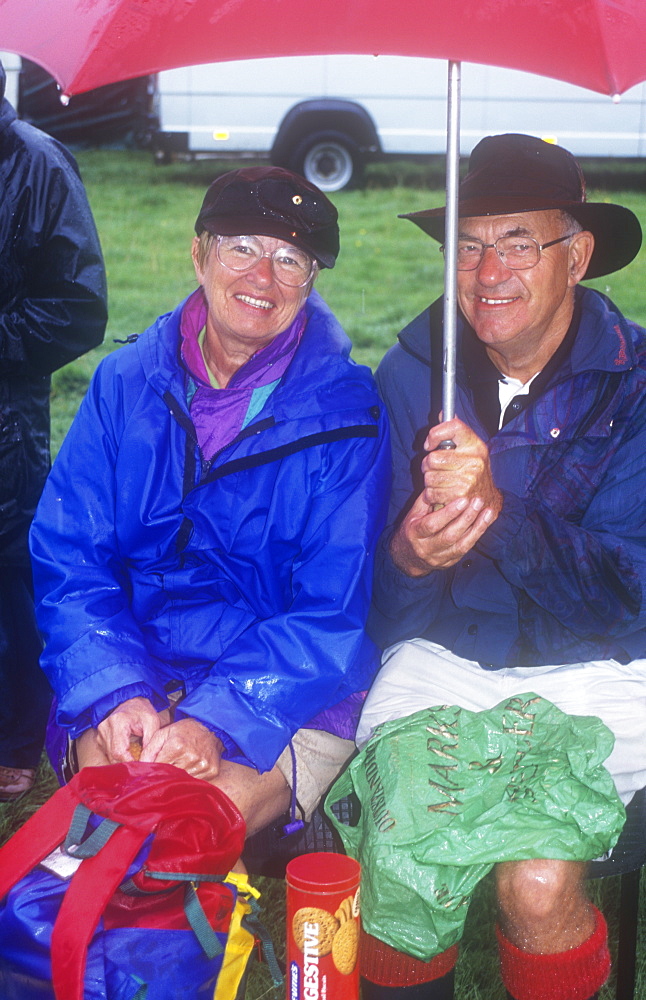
450	245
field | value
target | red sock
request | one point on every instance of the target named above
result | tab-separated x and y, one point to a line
575	974
385	966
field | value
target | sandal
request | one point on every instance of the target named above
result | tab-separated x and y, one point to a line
15	782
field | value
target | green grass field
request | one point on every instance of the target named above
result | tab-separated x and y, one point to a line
387	272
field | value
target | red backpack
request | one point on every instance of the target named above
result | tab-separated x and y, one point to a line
114	888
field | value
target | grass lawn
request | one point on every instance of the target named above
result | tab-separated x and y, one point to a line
387	272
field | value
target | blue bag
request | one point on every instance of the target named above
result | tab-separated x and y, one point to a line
114	889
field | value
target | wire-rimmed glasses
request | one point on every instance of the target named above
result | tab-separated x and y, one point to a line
291	265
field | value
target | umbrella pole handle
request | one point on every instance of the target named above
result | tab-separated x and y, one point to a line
450	245
450	251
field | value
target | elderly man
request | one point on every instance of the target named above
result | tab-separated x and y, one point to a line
517	561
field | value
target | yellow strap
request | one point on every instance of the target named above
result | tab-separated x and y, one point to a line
240	942
241	884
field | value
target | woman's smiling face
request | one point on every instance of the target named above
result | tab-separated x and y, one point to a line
247	308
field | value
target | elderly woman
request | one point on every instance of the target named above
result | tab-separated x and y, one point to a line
203	548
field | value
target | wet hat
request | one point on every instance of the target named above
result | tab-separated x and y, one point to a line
519	173
270	201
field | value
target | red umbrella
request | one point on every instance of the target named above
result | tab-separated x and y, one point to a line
597	44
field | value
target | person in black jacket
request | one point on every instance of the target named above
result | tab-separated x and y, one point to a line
52	309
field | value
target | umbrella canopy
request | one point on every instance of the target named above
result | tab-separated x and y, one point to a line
598	44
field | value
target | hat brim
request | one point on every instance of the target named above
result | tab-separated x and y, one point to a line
253	225
616	230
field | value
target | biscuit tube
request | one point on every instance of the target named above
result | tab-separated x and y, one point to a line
323	927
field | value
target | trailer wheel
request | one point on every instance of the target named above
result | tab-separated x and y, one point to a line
331	160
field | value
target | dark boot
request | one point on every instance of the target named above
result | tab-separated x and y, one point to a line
510	997
387	974
437	989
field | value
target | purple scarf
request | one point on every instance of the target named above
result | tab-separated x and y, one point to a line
219	415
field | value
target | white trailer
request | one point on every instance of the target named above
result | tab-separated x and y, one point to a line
326	116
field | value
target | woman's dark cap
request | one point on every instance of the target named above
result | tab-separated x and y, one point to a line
271	201
519	173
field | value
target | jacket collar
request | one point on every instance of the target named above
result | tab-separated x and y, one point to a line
603	342
301	386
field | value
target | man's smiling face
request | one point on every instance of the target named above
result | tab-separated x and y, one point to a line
519	312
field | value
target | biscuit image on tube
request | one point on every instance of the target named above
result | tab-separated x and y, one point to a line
319	926
345	947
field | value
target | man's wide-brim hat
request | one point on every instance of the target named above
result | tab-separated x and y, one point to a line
271	201
515	173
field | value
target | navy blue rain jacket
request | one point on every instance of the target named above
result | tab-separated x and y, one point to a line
247	578
52	307
560	576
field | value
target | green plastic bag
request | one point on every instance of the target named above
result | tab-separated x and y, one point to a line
446	793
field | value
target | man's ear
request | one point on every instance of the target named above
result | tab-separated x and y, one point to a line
579	254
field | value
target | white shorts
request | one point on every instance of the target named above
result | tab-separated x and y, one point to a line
419	674
320	756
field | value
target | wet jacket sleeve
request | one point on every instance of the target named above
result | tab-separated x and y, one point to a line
580	588
95	656
54	296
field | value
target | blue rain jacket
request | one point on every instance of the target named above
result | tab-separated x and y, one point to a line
247	578
560	576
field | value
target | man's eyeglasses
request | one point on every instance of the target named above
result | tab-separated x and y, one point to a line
240	253
516	252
